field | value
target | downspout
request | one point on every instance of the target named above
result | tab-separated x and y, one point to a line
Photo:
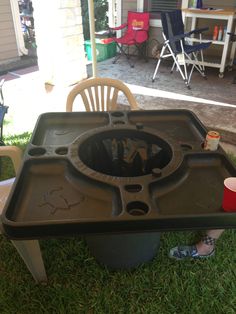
18	31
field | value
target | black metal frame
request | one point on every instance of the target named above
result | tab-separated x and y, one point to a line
124	50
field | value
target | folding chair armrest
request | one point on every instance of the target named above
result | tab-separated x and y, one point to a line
188	34
178	37
198	30
232	36
118	27
14	152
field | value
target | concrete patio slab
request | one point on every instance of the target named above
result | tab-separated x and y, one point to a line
212	100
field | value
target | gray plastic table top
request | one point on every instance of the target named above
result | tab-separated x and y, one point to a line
121	171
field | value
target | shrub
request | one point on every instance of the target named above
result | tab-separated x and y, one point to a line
100	13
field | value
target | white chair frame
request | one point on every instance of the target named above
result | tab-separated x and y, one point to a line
100	94
29	250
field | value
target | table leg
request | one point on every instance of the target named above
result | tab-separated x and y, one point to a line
226	47
194	23
30	252
233	48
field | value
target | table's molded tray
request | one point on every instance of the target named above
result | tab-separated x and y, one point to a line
59	191
63	128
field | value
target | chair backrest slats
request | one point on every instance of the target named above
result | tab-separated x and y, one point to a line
91	99
102	99
108	98
97	102
85	101
100	94
114	99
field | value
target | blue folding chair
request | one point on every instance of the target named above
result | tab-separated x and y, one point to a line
177	46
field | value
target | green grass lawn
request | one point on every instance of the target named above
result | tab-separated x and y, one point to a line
78	284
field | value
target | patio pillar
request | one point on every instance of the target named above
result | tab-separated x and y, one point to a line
60	41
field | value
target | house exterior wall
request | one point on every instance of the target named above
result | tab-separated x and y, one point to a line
60	41
8	47
219	3
128	5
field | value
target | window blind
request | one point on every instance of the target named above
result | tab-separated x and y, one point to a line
163	5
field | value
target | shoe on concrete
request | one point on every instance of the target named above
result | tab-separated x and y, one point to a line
183	252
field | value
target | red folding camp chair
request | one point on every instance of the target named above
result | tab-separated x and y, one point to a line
136	35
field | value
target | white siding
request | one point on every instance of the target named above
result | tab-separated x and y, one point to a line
219	3
128	5
8	47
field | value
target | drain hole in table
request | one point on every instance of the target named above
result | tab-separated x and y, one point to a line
117	114
39	151
133	188
61	150
137	208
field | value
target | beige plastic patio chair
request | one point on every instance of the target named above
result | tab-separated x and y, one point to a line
100	94
29	250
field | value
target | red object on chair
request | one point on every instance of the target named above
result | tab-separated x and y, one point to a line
136	34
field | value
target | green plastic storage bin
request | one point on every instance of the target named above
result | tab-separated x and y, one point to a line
103	50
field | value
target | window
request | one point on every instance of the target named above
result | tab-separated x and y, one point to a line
156	6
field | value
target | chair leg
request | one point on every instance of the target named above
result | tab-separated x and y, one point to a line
122	52
185	72
172	69
197	65
202	58
117	57
184	75
203	67
142	50
30	252
158	62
